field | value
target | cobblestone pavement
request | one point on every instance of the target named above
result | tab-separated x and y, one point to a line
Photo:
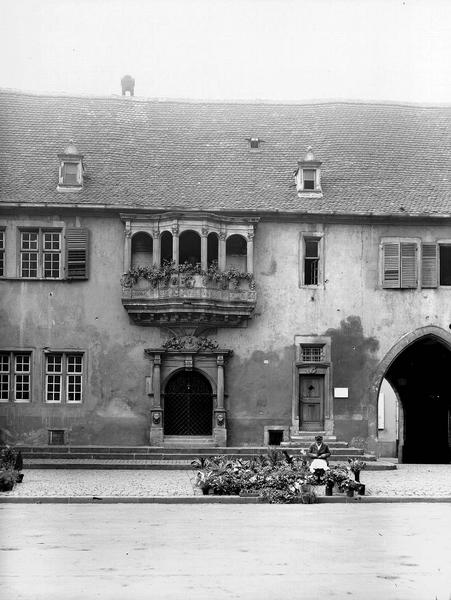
87	482
407	480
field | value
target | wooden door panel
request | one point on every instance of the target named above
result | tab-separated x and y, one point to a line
311	401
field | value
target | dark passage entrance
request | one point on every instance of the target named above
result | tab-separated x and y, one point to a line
188	405
421	376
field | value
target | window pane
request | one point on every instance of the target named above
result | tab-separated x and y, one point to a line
2	240
70	173
309	179
51	265
312	353
445	265
54	363
53	387
2	263
52	240
311	271
4	363
29	240
74	388
4	387
311	248
22	387
29	264
74	363
22	364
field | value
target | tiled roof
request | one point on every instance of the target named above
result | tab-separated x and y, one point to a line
377	158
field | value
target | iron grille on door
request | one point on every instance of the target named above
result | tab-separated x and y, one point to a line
188	405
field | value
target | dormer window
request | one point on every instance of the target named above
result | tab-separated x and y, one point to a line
255	144
71	169
308	175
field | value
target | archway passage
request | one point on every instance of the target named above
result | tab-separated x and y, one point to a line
420	375
188	405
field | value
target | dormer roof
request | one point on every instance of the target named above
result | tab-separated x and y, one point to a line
170	155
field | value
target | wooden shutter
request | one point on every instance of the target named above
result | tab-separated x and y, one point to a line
391	273
429	266
408	265
77	253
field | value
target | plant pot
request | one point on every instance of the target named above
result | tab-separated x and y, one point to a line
357	476
329	490
6	486
205	491
249	494
19	477
350	493
361	489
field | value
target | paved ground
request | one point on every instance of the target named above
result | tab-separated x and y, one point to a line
122	552
407	480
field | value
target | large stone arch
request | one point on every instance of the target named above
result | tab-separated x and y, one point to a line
431	332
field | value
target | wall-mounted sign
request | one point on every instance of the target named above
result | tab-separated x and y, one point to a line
341	392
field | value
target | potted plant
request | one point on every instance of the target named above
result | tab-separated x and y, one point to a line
355	466
7	480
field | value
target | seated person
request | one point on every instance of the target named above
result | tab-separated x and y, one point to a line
319	452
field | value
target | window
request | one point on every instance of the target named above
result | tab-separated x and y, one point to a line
308	175
312	353
254	143
2	253
399	265
311	261
309	179
40	254
56	437
435	265
15	377
70	174
63	377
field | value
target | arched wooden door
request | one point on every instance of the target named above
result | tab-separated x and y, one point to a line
188	405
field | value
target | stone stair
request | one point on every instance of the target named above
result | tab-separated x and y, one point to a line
152	457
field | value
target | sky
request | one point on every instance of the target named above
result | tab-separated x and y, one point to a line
284	50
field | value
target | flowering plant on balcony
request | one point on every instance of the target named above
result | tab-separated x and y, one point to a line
169	272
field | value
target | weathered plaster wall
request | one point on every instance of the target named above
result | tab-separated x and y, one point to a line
363	321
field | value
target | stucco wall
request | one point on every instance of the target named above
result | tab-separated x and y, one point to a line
362	320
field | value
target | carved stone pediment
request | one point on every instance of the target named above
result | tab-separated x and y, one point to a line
190	343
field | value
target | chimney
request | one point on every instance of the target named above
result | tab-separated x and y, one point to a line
128	85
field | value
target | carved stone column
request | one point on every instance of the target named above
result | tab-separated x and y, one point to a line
127	247
222	251
175	244
220	429
156	247
204	249
156	411
250	252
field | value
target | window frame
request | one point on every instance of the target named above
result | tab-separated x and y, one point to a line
62	183
64	376
399	240
425	284
2	252
13	373
319	237
41	252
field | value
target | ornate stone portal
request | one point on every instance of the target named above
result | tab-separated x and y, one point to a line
187	353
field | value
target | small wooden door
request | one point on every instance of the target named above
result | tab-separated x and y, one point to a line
311	402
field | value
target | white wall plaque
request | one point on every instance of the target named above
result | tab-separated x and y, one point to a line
341	392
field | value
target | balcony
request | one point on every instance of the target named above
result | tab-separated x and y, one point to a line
187	299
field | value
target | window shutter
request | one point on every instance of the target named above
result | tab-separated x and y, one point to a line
429	266
77	253
391	275
408	265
